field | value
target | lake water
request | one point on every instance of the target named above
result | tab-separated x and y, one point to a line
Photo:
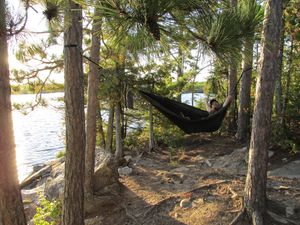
39	135
187	98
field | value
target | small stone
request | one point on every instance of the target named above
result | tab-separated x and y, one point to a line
181	169
284	160
270	154
125	171
176	215
128	158
208	162
185	203
199	201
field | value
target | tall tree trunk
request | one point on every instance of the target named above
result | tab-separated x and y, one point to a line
119	145
232	125
180	70
110	127
93	104
278	84
11	207
151	130
73	204
288	82
100	128
120	71
245	92
255	189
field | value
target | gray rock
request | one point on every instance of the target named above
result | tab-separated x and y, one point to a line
54	187
30	201
128	158
125	171
106	173
290	170
181	169
234	162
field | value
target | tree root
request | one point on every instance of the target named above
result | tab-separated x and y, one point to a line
276	212
241	216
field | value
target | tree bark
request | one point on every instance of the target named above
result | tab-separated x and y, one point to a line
73	203
288	82
120	71
110	127
100	128
232	71
119	145
255	188
245	92
278	84
93	105
232	125
11	207
151	130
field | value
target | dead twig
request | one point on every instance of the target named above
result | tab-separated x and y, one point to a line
239	217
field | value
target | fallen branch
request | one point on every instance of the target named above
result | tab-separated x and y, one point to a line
239	217
209	185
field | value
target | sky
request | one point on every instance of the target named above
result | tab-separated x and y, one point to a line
37	23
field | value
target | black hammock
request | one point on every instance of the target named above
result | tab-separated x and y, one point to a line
187	118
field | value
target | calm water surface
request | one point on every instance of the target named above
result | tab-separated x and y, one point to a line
39	135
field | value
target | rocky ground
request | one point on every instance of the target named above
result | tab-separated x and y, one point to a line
201	183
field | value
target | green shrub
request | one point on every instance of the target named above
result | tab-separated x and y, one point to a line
60	154
48	213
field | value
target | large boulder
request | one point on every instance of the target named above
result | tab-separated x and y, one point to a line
106	178
289	170
54	186
31	201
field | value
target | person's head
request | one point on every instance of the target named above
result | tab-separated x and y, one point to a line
214	104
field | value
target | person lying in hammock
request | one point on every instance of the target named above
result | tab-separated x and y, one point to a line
213	105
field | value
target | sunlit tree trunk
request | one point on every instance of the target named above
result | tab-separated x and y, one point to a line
245	92
73	202
151	130
255	189
11	207
120	70
93	105
110	127
100	128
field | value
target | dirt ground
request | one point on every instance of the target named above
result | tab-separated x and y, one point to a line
182	187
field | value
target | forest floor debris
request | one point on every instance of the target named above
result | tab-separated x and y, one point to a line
201	184
212	192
